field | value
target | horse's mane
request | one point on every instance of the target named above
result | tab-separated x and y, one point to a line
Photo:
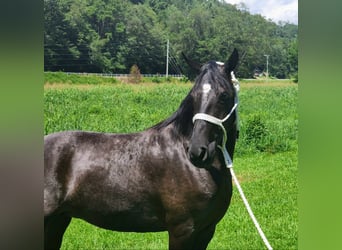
181	118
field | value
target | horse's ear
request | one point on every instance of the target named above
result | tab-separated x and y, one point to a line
232	62
194	65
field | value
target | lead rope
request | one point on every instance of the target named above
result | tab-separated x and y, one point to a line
229	165
228	160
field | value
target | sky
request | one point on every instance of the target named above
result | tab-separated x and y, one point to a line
276	10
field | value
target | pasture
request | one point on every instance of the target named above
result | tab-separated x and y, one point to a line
265	156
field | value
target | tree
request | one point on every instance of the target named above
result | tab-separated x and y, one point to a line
146	42
112	35
293	59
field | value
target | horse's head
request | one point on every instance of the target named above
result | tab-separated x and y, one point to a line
214	102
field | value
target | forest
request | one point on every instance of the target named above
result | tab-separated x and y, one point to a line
110	36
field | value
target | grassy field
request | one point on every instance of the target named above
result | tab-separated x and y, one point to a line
265	162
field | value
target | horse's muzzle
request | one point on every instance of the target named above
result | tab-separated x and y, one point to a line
202	156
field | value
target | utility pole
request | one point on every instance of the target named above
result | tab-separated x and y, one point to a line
167	57
267	56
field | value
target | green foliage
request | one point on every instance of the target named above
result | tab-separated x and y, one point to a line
161	79
255	131
111	36
98	107
184	79
269	120
156	79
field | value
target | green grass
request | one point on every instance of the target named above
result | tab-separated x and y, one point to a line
268	119
268	115
120	108
265	164
266	81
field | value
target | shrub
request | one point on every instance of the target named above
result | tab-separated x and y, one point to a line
256	132
184	79
156	79
295	77
134	74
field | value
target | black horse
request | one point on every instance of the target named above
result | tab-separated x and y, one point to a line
171	177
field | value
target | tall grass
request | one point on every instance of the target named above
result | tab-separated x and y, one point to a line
265	159
123	108
268	116
61	77
268	119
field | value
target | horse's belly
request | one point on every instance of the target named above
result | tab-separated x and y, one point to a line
123	221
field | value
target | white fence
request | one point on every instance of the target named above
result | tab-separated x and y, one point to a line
122	75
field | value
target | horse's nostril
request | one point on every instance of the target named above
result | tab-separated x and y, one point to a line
198	155
203	153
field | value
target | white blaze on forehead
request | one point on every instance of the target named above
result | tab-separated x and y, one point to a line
220	63
206	88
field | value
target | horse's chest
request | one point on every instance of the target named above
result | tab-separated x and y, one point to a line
218	199
203	194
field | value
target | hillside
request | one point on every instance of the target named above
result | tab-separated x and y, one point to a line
112	35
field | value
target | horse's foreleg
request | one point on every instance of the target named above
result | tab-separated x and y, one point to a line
54	228
204	237
181	235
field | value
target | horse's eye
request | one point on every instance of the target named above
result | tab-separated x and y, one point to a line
223	98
